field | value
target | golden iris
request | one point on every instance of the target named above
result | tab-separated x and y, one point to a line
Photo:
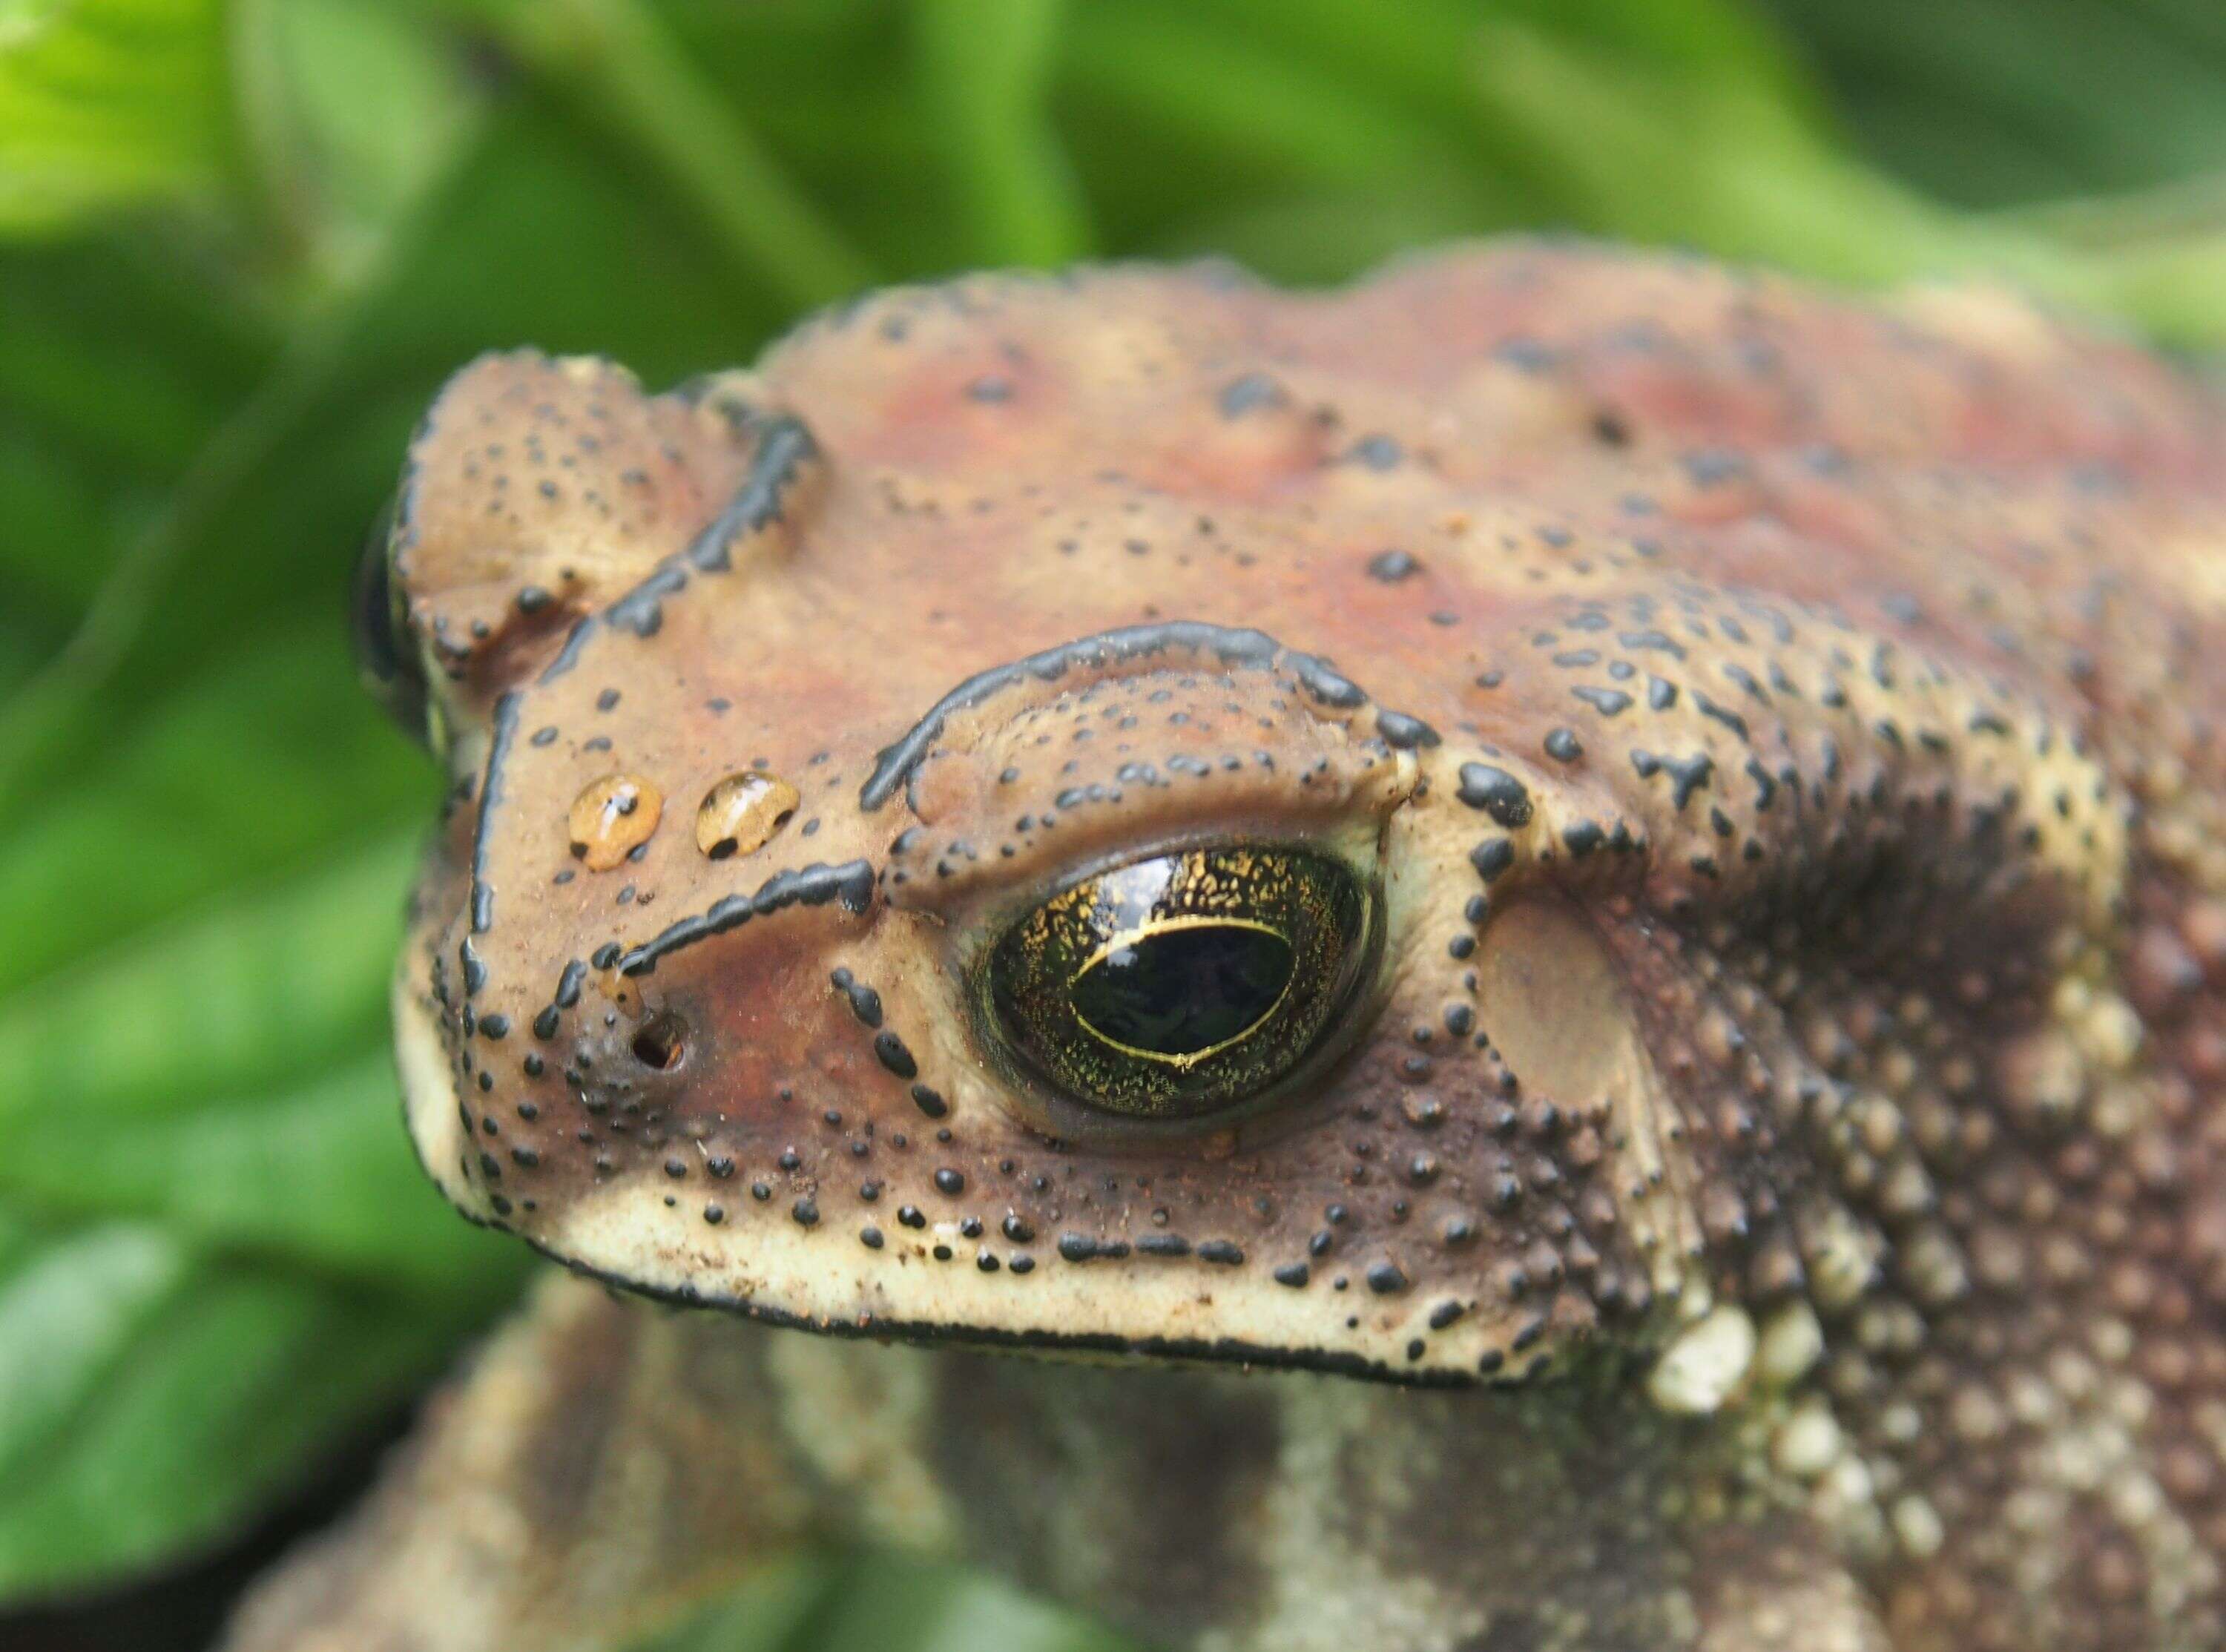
1183	983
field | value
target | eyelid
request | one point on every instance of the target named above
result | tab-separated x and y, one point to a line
1099	776
991	906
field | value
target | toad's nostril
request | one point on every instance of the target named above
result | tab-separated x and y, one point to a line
661	1041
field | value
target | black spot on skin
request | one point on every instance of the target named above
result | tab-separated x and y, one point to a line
865	1002
1392	566
1563	746
1493	790
1730	720
1379	452
1491	858
889	1049
1686	774
1248	392
1404	732
1081	1248
1386	1279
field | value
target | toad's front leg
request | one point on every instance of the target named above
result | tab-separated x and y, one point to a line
600	1467
606	1467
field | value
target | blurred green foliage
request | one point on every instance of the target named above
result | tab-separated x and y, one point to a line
242	242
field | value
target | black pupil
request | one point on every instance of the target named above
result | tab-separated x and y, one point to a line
1175	992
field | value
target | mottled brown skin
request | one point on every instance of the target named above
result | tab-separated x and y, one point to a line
1786	1111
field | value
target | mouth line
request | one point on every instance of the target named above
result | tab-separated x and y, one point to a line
1195	1350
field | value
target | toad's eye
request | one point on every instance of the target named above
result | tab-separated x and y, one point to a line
1184	984
384	651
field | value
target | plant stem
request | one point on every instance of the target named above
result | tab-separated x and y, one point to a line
619	58
984	70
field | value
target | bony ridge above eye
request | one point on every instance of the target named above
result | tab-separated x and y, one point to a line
1183	983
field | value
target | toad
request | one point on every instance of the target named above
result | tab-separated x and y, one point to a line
1530	958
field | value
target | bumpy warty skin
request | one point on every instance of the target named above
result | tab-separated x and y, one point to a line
1788	1113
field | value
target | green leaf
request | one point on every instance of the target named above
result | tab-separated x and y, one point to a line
215	1248
206	1401
1658	152
105	103
884	1604
266	759
349	112
69	1309
624	65
318	1173
774	1609
237	997
985	72
1980	100
929	1609
1324	236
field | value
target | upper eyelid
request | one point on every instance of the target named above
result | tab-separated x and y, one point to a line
977	923
1110	655
1092	777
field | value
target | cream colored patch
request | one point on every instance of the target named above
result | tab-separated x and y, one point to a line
1556	1010
862	1415
1328	1593
1792	1341
2195	563
1998	320
429	1099
823	1275
1700	1370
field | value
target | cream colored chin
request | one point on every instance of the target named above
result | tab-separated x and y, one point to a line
429	1096
823	1278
